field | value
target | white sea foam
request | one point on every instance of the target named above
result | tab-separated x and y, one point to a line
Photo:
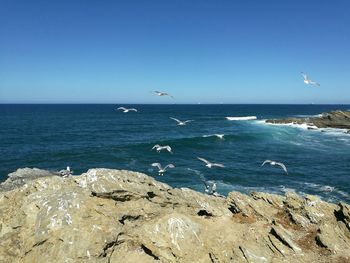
335	131
328	189
308	116
326	192
321	188
303	126
246	118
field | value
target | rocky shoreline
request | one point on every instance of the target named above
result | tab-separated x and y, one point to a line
108	215
334	119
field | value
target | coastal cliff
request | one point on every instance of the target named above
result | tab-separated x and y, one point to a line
108	215
334	119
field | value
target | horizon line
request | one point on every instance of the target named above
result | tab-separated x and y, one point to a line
128	103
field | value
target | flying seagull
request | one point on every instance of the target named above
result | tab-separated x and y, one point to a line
309	81
66	173
220	136
209	164
181	123
273	163
161	94
159	148
126	110
162	170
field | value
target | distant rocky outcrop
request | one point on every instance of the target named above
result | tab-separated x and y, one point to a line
109	215
334	119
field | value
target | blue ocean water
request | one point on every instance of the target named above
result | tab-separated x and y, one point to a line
88	136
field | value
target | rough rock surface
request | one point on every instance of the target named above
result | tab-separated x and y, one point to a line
109	215
21	177
334	119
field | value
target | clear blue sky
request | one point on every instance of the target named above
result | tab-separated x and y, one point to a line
205	51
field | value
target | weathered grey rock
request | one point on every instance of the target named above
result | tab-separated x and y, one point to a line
109	215
335	119
21	177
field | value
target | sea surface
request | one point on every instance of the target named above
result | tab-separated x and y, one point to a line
88	136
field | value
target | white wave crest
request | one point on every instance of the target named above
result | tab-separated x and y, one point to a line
304	126
326	131
308	116
246	118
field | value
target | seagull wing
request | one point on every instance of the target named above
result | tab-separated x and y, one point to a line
187	121
267	161
304	75
168	148
169	166
178	121
133	109
218	165
203	160
283	166
157	165
155	146
314	83
121	108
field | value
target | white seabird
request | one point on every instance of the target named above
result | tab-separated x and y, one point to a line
162	170
210	187
159	148
309	81
181	123
125	110
220	136
160	93
66	173
209	164
273	163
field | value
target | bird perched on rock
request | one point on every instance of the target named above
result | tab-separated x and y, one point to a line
66	173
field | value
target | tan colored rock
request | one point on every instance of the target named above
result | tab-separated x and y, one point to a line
109	215
334	119
344	214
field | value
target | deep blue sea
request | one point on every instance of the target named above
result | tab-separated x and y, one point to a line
88	136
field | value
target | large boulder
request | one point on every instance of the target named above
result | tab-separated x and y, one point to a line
108	215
